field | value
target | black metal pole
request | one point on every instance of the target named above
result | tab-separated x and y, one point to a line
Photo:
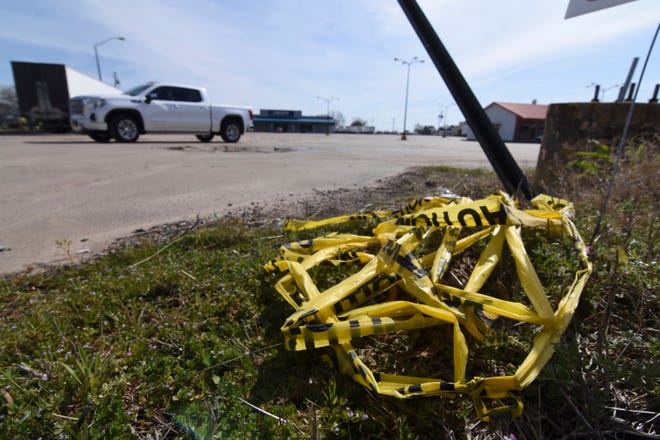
515	182
596	93
626	84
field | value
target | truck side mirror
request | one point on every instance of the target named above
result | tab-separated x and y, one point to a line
149	97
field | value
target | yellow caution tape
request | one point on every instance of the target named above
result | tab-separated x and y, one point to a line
399	262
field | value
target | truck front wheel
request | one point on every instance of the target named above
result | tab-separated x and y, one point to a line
204	137
124	128
100	136
230	131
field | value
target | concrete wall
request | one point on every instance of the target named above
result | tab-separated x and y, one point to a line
570	127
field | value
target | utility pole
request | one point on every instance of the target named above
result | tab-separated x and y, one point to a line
405	108
327	112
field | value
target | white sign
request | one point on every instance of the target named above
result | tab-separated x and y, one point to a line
580	7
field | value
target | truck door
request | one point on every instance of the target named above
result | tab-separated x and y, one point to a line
194	113
162	113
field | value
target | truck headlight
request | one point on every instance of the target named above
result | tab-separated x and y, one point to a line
94	102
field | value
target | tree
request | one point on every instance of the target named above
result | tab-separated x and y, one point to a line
424	129
8	106
357	122
338	117
8	94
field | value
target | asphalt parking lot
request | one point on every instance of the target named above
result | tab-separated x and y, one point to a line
69	189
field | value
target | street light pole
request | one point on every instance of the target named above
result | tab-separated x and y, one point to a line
405	108
327	112
605	89
96	53
443	117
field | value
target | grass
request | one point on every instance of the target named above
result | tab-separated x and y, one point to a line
181	339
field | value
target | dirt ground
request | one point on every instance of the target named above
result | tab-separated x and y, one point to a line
66	196
390	193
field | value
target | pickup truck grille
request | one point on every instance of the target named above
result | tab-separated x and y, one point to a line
76	106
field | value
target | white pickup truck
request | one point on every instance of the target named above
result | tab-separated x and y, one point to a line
157	108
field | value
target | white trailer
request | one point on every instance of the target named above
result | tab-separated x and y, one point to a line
43	91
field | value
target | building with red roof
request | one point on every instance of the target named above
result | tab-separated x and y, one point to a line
516	122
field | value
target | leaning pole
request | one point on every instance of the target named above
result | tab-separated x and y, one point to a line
514	180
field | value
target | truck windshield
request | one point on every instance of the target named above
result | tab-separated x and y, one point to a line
138	89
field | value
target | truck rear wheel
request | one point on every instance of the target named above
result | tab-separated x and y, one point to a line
100	136
124	128
230	131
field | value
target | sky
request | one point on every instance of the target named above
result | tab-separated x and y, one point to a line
312	55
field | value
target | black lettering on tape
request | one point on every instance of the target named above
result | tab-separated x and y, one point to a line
469	211
427	221
319	327
331	356
494	218
308	313
445	215
434	219
407	262
453	300
292	344
362	371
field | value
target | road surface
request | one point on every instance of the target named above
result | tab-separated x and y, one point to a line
67	188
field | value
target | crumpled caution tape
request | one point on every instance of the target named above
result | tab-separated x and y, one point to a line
396	263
